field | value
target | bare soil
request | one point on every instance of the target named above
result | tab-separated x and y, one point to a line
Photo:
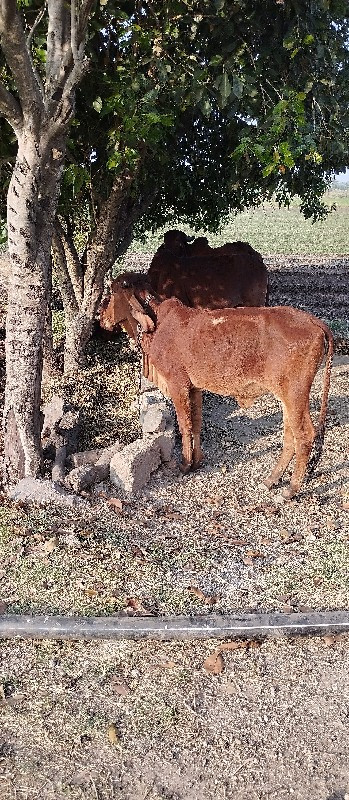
145	720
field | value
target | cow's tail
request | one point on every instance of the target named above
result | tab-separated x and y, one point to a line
267	292
320	432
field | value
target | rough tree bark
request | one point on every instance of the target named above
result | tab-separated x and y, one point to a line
81	280
40	117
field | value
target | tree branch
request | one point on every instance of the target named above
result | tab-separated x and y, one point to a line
73	31
10	109
18	58
35	25
73	262
101	252
59	56
65	285
29	43
84	14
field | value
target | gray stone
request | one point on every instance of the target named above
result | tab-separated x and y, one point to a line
82	477
154	421
87	474
131	469
61	425
146	385
58	469
53	411
107	453
43	492
165	441
85	458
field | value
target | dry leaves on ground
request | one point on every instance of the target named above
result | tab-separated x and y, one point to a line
135	606
209	600
214	664
113	734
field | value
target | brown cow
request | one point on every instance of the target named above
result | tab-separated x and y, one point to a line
205	277
200	276
244	353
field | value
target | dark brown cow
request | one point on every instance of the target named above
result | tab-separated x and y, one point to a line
201	276
244	353
205	277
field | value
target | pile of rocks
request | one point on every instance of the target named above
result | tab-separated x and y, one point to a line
126	467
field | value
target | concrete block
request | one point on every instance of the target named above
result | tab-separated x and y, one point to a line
91	457
85	458
83	477
165	441
154	420
43	492
131	469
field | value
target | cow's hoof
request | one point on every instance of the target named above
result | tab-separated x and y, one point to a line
185	468
198	464
288	493
268	482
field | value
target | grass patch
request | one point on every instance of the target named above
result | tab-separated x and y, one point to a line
272	230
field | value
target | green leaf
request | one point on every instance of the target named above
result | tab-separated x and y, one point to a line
98	104
224	88
238	86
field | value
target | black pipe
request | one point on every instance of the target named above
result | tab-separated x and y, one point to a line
210	626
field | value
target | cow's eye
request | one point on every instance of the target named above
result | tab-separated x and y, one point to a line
124	284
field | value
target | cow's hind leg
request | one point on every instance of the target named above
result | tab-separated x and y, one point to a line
196	416
286	456
304	435
182	403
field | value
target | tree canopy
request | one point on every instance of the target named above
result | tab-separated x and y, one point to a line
212	106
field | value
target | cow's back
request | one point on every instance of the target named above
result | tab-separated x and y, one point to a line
233	275
242	352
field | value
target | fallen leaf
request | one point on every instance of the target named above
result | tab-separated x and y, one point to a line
209	600
50	544
115	504
287	609
214	664
331	639
120	687
91	592
238	542
137	552
317	581
345	505
254	554
263	508
214	499
247	561
305	609
266	541
3	607
135	605
288	537
113	734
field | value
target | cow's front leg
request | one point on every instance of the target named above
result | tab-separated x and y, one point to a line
196	416
181	400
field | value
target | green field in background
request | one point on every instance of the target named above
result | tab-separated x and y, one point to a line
272	230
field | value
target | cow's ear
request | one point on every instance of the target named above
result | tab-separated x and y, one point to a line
138	313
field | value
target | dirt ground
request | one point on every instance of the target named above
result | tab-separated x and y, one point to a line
146	721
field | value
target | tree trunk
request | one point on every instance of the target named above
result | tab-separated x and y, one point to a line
32	202
77	335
